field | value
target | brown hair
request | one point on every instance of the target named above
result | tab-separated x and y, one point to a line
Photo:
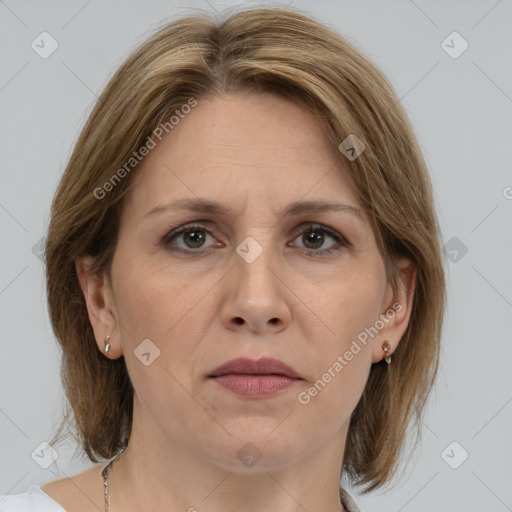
288	53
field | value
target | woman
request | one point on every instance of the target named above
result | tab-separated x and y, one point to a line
244	273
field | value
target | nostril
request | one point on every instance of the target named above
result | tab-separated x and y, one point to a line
239	320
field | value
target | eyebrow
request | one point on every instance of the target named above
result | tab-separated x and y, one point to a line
214	208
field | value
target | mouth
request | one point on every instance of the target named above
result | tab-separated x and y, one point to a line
253	385
265	366
257	379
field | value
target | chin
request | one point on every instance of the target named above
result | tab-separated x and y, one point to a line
257	448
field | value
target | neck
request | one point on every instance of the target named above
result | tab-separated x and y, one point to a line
156	474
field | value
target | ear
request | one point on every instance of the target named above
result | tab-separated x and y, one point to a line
99	299
396	309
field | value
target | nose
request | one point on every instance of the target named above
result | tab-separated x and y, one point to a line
256	292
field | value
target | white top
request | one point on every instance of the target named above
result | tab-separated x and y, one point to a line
36	500
32	500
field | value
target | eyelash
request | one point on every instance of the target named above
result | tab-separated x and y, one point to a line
340	240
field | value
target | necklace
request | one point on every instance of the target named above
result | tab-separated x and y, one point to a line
104	474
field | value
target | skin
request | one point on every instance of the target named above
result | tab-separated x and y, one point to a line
254	154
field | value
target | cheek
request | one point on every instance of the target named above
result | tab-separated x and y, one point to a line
350	302
155	301
172	309
342	360
347	307
332	398
154	304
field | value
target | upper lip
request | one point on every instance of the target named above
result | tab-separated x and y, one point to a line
262	366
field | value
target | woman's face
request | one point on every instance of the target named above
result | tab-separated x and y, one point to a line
250	279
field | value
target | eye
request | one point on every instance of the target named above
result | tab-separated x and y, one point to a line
313	237
189	239
192	236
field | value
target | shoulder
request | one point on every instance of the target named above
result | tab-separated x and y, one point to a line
79	493
32	500
82	492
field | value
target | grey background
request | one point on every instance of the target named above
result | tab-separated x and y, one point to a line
461	109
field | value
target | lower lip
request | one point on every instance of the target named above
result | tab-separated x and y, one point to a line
255	386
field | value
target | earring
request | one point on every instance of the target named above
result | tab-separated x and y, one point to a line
107	344
386	347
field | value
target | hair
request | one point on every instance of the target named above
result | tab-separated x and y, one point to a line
257	50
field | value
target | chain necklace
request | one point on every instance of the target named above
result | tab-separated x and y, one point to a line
104	474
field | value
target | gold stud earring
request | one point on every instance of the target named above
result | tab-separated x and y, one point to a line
386	347
107	344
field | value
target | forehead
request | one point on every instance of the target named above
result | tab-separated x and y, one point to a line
251	149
